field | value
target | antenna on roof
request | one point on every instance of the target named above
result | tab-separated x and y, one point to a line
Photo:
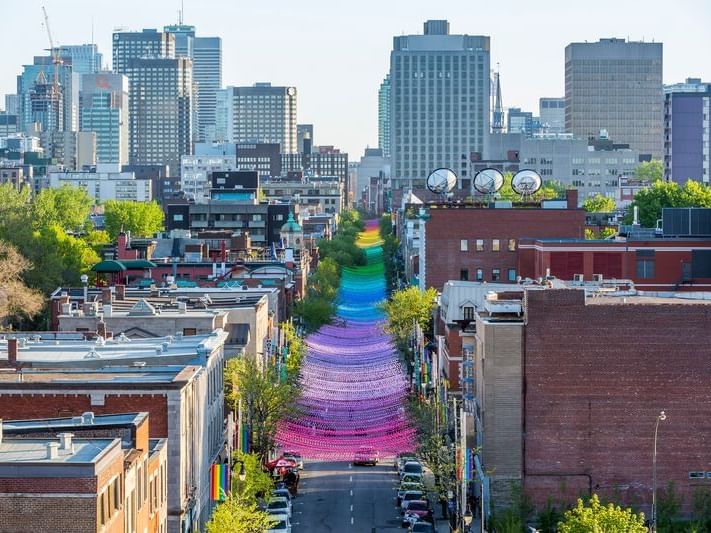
181	12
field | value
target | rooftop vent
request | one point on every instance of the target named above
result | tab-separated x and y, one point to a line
65	442
93	354
87	418
139	364
52	450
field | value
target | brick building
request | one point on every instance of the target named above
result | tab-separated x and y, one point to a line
89	477
569	383
477	243
178	381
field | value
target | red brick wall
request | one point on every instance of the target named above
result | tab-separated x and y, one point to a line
59	515
27	406
596	377
447	226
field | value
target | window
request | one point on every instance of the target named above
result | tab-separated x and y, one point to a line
189	331
512	245
479	274
496	274
464	274
468	313
697	475
512	274
480	245
178	218
463	245
645	268
495	245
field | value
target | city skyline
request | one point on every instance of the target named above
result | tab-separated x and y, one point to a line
338	67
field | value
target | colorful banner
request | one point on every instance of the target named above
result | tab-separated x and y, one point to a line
219	482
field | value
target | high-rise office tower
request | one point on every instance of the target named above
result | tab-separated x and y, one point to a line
439	102
551	113
84	58
206	54
259	114
384	117
104	110
135	45
160	97
616	85
12	104
160	94
687	136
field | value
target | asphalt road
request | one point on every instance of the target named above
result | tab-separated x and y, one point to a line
336	497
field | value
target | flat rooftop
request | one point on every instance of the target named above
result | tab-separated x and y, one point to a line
10	427
20	451
98	377
645	300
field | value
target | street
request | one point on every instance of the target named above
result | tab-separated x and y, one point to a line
337	496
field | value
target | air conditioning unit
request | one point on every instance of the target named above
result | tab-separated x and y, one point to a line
578	278
597	278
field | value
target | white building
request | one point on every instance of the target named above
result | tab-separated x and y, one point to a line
107	182
195	169
372	164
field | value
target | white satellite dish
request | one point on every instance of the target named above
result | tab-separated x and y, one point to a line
488	180
441	180
526	182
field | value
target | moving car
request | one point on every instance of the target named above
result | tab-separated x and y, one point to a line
416	510
283	524
366	456
278	506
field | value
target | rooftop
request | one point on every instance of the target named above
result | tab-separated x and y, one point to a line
101	378
57	424
36	450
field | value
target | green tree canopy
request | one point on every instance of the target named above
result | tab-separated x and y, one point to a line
15	297
238	516
650	171
68	207
142	219
257	482
599	204
595	517
661	194
407	307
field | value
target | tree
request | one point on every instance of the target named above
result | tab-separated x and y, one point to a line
296	350
256	482
650	171
15	297
237	516
142	219
264	399
406	308
598	518
599	204
68	207
661	194
314	311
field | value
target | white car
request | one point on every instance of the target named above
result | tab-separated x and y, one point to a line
279	506
409	496
282	526
411	467
296	457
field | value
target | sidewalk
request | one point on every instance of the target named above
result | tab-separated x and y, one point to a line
442	526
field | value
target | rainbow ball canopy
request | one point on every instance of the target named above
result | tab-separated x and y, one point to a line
353	387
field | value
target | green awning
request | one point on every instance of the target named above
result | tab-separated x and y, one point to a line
133	264
185	283
109	267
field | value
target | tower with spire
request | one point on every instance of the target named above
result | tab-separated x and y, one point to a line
497	122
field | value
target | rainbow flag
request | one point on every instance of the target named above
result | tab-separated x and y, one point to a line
219	482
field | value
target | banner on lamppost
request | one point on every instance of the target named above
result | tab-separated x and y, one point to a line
219	482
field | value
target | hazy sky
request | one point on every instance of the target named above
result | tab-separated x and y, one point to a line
337	53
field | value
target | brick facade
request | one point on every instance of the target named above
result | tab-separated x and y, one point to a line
448	226
596	375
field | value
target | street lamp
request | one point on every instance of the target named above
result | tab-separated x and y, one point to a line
242	473
660	417
468	517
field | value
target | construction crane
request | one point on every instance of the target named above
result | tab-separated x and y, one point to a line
54	52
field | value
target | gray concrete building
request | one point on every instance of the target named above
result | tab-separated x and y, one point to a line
616	85
551	114
439	102
258	114
384	116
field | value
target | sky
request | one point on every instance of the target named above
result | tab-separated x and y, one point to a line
337	53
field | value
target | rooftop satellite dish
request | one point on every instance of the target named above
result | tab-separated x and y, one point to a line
526	182
488	181
441	181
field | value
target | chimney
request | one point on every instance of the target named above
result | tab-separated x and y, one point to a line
571	195
65	442
101	328
121	292
52	450
12	352
107	310
106	296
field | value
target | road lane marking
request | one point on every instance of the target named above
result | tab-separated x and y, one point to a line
351	508
351	520
351	492
351	479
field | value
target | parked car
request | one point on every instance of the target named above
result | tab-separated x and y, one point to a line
283	524
403	458
282	493
422	527
411	478
405	487
411	495
411	467
366	456
416	510
279	506
296	457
